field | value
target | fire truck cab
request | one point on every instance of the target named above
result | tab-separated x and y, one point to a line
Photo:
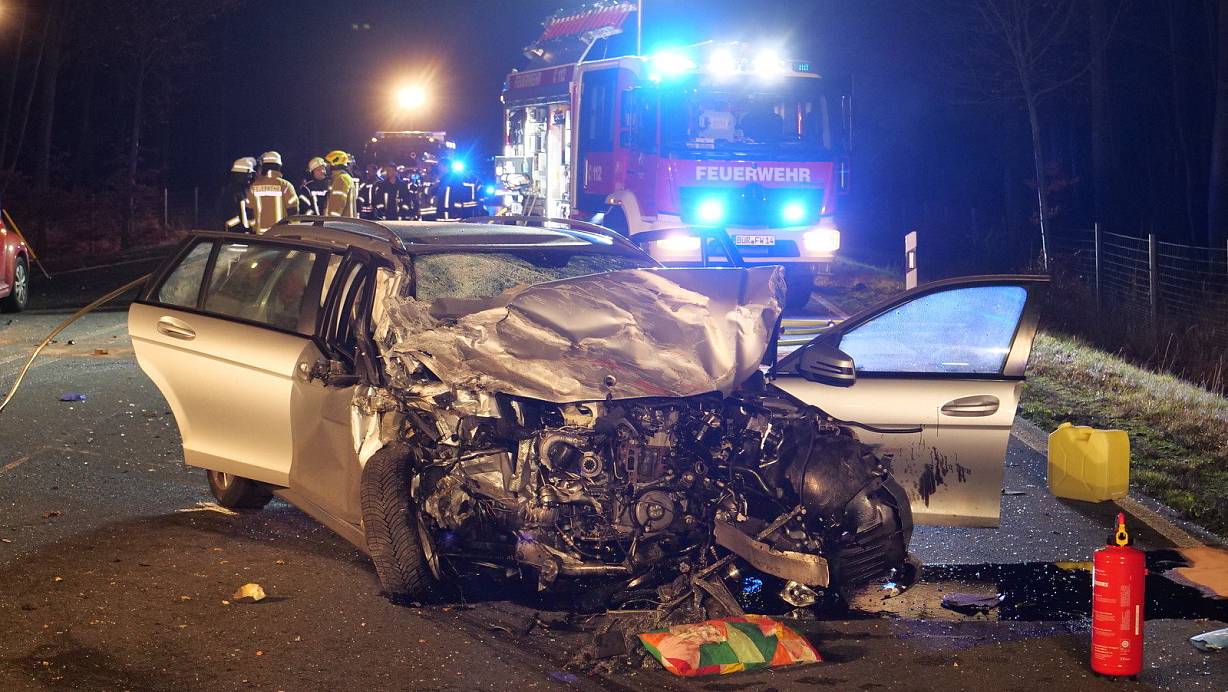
713	135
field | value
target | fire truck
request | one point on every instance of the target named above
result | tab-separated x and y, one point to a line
715	136
439	179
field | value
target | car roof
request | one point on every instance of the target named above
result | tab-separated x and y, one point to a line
421	237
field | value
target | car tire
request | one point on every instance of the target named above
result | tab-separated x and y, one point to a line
799	284
19	296
390	524
235	492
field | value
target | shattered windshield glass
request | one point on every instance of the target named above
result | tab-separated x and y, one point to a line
488	274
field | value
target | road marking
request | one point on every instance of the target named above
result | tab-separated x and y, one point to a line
100	331
1034	438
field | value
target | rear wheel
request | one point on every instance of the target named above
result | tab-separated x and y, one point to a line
235	492
390	523
19	296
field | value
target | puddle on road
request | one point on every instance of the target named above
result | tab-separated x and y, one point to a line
1044	591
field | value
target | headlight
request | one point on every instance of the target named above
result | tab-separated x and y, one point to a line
821	241
679	244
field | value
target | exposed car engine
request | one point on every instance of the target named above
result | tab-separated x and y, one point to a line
640	486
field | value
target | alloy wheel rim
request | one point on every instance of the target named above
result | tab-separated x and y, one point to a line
21	284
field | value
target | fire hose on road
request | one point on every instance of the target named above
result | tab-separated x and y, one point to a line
61	327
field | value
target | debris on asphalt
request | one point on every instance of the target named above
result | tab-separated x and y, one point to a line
101	352
250	590
1215	640
728	645
609	644
1071	565
564	676
53	513
72	396
1013	492
210	507
971	603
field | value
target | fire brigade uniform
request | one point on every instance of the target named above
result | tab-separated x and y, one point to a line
366	189
235	199
313	193
386	197
342	190
271	197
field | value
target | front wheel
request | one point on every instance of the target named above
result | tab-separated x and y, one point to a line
234	492
19	295
390	523
799	284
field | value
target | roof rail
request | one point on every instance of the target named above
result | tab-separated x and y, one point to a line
587	227
349	224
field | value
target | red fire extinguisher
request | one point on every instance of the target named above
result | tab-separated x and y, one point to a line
1119	573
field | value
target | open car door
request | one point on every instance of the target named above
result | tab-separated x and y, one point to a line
938	374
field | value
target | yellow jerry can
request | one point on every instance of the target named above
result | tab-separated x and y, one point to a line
1089	464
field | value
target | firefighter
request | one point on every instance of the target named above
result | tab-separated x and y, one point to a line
342	190
366	190
271	197
313	193
234	200
386	195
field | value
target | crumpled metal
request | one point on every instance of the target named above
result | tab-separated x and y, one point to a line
631	333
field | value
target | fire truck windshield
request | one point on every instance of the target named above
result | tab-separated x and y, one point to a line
788	119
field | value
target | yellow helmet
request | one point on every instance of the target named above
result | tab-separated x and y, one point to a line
338	158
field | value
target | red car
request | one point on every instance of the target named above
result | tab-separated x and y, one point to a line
14	270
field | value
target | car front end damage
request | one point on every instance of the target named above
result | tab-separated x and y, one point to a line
618	425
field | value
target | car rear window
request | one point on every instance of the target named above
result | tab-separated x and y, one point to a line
265	284
487	274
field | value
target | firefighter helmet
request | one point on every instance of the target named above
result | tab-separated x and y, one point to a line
338	159
247	164
270	158
314	163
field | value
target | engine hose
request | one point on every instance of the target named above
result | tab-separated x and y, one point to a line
63	325
875	429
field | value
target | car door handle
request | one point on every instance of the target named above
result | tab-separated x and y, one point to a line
176	329
969	406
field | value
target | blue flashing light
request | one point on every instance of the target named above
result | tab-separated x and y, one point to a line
751	585
490	189
458	166
711	211
670	63
793	213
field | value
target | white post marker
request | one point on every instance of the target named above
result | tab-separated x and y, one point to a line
910	260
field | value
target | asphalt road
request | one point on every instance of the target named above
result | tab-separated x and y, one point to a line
118	574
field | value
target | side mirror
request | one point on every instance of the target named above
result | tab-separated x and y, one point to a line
823	363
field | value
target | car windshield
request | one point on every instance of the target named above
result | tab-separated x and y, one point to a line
487	274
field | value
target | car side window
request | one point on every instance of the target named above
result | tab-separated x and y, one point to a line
264	284
182	285
964	330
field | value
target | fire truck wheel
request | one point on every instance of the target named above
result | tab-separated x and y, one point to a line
799	284
616	220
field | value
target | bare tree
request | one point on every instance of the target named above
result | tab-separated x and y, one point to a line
1017	52
156	39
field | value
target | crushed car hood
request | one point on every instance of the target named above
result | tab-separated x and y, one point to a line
621	334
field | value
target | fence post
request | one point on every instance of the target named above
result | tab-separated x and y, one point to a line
1096	240
1152	281
165	209
196	207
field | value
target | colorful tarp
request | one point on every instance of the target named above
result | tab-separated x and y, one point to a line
728	645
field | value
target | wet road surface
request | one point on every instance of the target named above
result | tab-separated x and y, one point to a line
118	574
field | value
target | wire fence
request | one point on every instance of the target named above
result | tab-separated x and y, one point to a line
1173	287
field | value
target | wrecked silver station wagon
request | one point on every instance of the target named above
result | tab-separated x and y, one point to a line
549	400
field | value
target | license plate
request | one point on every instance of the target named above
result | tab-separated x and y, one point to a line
754	240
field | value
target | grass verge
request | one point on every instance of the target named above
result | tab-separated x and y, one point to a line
1178	431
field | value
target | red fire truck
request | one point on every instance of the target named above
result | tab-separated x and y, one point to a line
708	135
